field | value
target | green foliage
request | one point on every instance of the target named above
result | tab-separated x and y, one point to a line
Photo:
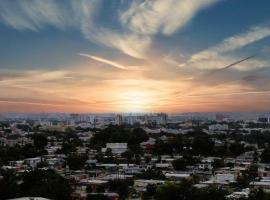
218	163
18	153
9	187
100	188
76	162
185	191
259	194
174	191
42	164
118	134
220	151
210	193
42	183
202	145
151	173
247	176
39	183
150	191
30	151
40	141
24	127
67	148
97	197
177	143
179	164
89	189
265	156
236	149
121	187
128	155
256	137
162	147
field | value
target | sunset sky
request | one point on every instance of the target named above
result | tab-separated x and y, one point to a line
134	55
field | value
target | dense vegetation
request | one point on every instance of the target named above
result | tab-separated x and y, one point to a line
39	183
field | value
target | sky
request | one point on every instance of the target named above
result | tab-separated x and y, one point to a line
134	55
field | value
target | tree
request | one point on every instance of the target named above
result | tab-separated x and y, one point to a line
210	193
67	148
151	173
185	191
218	163
138	135
97	197
100	188
40	141
128	155
9	187
89	189
119	134
247	176
265	156
161	147
41	183
45	183
30	151
179	164
42	164
171	191
150	191
236	149
75	161
121	187
259	194
202	145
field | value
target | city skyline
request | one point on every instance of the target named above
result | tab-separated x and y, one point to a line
134	56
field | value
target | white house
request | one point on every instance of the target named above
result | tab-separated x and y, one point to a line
116	148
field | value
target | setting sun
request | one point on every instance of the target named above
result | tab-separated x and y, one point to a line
135	101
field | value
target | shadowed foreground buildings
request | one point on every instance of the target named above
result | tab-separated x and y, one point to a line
185	158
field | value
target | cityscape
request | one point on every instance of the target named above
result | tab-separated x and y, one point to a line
134	100
135	155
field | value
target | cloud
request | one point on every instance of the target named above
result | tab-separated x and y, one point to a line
230	93
80	14
137	22
32	15
232	64
233	43
154	16
131	44
224	53
99	59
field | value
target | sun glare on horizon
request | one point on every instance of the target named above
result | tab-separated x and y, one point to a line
136	101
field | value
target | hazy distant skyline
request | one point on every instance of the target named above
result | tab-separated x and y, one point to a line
134	55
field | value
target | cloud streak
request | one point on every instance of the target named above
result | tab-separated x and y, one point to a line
154	16
230	44
79	14
33	15
105	61
137	22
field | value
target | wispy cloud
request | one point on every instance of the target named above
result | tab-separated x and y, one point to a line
235	42
232	64
138	21
80	14
109	62
131	44
217	54
33	15
151	17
